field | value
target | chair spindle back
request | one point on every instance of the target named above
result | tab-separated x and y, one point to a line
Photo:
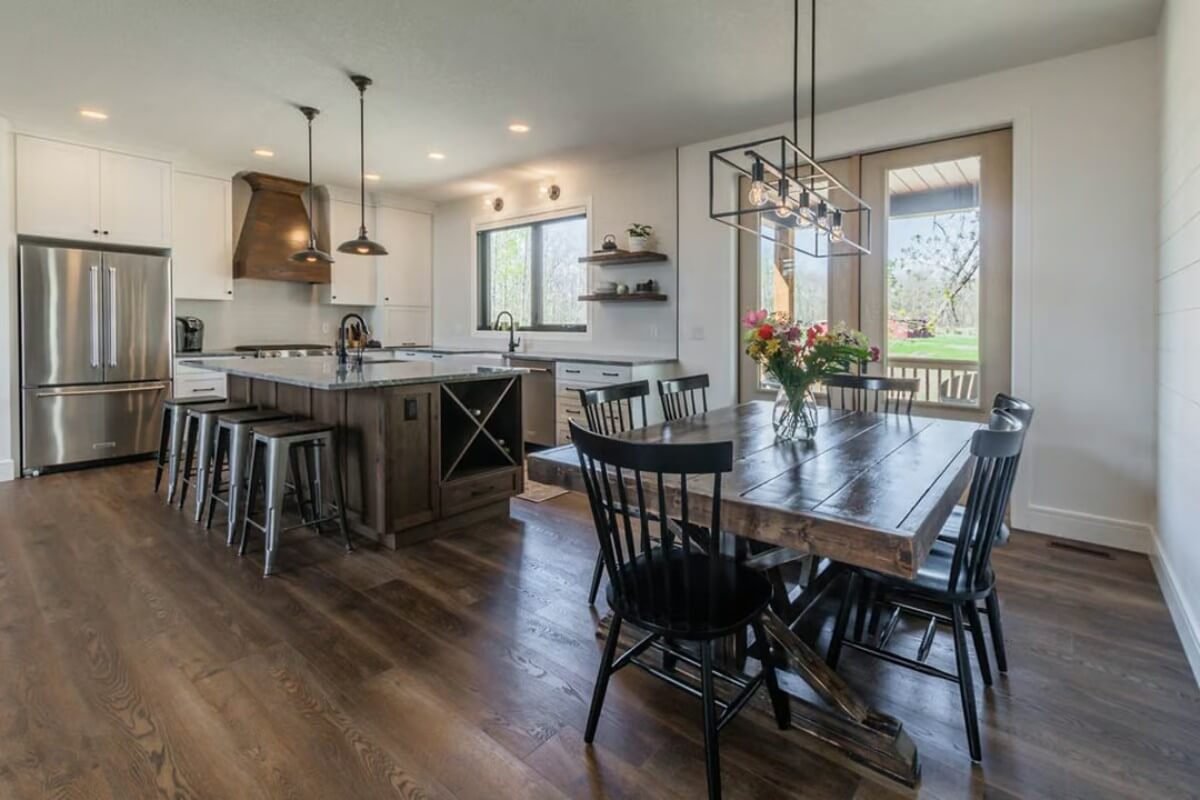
610	409
683	397
871	393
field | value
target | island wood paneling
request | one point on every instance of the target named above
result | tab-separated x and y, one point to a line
389	441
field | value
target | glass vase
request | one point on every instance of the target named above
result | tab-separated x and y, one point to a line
795	414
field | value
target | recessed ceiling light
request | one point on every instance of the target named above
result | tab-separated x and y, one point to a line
371	176
92	113
437	156
265	153
519	127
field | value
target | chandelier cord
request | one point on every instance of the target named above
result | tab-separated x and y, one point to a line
812	94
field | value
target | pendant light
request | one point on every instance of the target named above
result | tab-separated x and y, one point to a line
311	254
808	207
362	246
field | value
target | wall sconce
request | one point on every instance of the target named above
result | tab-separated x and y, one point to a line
494	203
550	190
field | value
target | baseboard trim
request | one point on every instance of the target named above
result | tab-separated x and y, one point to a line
8	469
1106	531
1186	625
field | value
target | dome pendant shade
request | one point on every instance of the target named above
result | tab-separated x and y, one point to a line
311	254
362	246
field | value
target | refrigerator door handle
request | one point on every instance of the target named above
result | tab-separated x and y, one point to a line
94	282
112	316
148	387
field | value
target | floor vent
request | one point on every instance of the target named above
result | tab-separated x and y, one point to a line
1080	548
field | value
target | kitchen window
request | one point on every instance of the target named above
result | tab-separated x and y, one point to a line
532	269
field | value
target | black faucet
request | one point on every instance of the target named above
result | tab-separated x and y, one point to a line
512	327
343	354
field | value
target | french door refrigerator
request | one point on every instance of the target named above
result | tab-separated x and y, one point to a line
95	354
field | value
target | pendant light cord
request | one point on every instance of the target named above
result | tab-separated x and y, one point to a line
362	161
312	226
812	94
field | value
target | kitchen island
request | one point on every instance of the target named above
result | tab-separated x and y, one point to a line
425	447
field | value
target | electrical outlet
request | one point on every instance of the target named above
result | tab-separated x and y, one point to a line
698	333
326	327
653	331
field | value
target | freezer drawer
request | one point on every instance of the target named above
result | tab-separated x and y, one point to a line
73	424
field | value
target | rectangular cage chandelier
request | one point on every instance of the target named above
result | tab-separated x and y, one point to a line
775	190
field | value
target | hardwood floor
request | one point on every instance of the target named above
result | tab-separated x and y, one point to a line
142	658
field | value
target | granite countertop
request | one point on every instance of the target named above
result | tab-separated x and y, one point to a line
578	358
323	372
216	354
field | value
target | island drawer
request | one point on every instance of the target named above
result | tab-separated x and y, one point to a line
464	493
574	372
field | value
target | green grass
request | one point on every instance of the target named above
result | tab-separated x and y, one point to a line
960	348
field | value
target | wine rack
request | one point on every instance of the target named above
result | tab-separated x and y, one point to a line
480	426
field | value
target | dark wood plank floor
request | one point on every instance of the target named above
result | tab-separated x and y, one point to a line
141	658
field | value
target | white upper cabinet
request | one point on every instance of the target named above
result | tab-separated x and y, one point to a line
135	200
407	327
351	277
405	273
68	191
202	237
58	189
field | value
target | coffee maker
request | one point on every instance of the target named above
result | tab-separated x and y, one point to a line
189	334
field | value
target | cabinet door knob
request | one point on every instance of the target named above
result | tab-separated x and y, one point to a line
105	233
95	230
229	291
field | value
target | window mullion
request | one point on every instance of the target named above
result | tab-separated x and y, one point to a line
535	268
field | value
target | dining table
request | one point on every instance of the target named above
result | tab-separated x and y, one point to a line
868	490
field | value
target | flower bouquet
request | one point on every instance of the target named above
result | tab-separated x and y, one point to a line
798	358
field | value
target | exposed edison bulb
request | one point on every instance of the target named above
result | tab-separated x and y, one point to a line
836	232
784	198
804	212
759	194
823	214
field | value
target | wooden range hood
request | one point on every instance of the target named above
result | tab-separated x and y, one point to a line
276	226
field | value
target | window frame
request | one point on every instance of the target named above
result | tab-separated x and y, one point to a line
485	315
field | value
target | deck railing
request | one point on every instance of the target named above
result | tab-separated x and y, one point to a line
944	382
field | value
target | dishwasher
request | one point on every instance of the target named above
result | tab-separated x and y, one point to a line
538	406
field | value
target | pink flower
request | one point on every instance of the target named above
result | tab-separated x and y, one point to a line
874	353
754	318
793	333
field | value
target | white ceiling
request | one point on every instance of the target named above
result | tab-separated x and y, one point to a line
209	80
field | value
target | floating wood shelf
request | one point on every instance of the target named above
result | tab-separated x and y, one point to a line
613	257
629	297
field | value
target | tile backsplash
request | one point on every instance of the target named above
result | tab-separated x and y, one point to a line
265	312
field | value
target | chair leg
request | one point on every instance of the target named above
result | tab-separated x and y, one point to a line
766	657
993	612
255	472
214	481
338	491
237	478
843	617
597	571
189	451
164	440
866	592
175	450
277	466
602	676
712	754
966	687
981	655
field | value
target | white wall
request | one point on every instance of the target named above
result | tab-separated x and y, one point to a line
638	189
1178	558
1084	158
9	404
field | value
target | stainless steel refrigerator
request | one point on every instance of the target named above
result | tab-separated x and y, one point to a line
95	354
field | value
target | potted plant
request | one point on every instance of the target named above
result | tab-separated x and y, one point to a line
639	237
797	359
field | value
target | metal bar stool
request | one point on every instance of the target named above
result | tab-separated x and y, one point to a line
199	434
270	454
170	438
233	445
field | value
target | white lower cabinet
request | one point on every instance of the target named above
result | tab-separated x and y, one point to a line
196	385
571	376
